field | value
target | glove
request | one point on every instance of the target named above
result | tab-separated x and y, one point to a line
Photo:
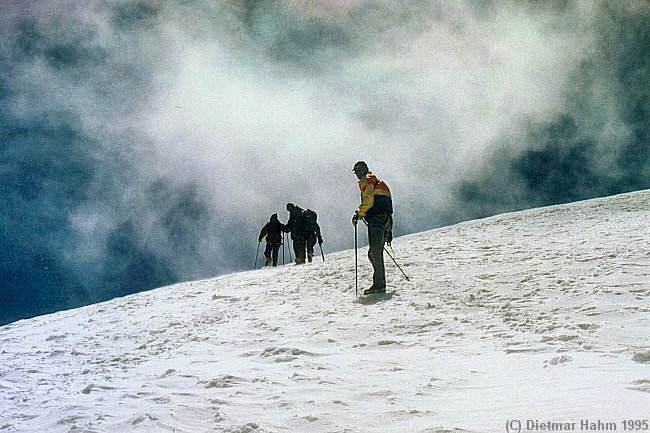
355	218
320	241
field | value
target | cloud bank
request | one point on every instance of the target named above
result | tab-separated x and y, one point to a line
147	142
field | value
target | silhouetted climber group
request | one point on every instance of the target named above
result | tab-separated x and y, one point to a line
305	232
304	229
375	210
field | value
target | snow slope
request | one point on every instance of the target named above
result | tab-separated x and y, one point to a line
539	315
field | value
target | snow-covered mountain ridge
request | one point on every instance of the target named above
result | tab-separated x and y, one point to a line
537	315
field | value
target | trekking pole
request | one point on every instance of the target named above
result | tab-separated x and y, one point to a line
257	253
393	258
356	264
398	266
321	251
282	249
289	248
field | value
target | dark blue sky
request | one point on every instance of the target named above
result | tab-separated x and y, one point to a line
145	143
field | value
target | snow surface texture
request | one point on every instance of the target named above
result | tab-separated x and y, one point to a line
539	315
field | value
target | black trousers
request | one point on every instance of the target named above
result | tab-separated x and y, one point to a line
299	244
379	227
271	252
311	243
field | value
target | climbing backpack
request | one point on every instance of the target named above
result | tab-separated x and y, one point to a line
310	218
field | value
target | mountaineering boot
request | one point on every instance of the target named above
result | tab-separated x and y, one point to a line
310	257
373	290
369	291
268	261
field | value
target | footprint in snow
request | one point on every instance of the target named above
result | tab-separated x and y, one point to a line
558	360
251	427
274	351
88	389
226	381
642	357
387	342
642	385
167	373
141	418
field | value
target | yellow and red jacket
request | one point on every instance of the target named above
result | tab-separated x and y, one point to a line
375	196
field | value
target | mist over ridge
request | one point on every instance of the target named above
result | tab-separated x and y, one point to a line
144	142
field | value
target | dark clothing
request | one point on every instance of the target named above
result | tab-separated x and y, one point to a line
312	235
273	233
382	205
305	231
271	253
378	229
299	244
297	225
311	243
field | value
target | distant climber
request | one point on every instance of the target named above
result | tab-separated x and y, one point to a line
305	232
273	233
376	209
312	232
295	225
